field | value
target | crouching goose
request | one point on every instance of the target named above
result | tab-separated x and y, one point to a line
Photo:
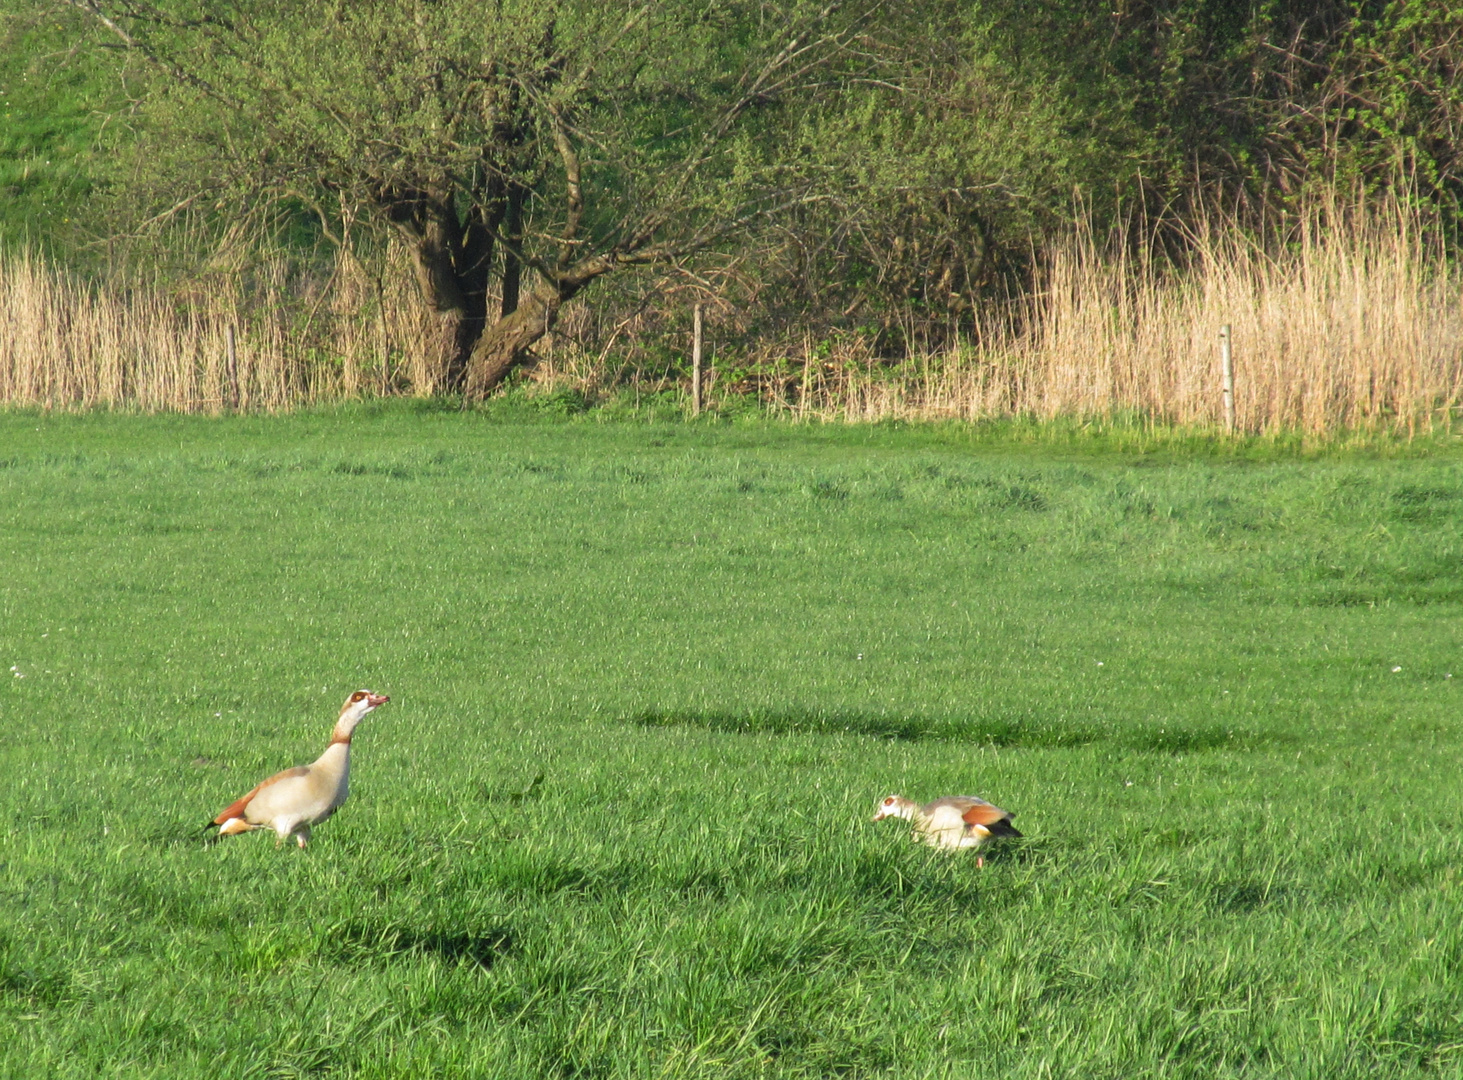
292	801
951	823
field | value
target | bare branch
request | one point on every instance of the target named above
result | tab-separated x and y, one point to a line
573	193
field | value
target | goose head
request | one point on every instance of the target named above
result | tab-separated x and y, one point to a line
895	806
356	708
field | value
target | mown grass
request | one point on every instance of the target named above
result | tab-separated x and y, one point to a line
55	100
648	681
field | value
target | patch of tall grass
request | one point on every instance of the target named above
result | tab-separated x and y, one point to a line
1349	322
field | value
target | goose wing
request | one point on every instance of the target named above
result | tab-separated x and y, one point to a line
976	813
236	809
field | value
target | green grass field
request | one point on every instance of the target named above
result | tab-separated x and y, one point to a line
1216	689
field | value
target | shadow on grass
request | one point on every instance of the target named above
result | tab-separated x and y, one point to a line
376	469
366	943
1375	596
1002	733
30	983
1244	897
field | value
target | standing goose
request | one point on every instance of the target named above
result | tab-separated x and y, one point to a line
291	801
951	823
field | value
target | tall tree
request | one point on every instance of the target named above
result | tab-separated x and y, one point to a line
522	148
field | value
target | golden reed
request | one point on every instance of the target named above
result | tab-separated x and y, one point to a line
1352	321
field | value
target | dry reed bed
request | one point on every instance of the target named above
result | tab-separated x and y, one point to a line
1359	326
1355	322
66	345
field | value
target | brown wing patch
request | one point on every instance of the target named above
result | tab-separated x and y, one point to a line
236	809
984	814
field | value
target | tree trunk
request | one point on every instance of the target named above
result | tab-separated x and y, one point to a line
512	265
453	260
456	325
505	345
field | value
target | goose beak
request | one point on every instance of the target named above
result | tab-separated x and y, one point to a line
377	700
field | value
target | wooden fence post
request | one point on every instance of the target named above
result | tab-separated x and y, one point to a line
1227	365
232	389
385	339
696	370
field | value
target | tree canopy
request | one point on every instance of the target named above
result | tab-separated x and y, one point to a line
868	159
559	138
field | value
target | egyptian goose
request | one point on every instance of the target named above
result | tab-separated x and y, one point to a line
951	823
292	801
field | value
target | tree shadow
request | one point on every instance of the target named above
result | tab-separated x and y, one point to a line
367	943
1048	734
901	728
